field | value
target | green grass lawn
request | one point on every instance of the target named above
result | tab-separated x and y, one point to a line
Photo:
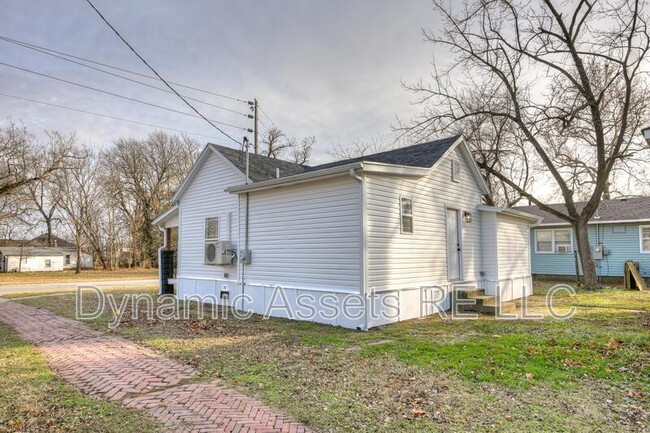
589	373
70	276
33	399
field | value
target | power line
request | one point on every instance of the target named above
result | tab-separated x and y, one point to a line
158	75
221	95
128	98
108	116
267	116
42	51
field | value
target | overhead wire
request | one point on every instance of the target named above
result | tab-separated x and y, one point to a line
42	51
128	98
157	74
117	68
79	110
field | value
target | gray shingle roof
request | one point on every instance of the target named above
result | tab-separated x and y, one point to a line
260	167
418	155
33	251
609	210
263	168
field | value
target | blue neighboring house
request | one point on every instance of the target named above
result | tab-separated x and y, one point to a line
619	231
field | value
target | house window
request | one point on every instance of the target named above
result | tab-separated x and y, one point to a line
406	214
455	170
644	236
212	229
554	241
48	263
211	235
67	259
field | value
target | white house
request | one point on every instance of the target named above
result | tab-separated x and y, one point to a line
35	255
356	243
32	259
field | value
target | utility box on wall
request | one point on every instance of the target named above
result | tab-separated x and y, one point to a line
598	252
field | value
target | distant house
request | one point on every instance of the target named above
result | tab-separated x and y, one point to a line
382	230
34	255
619	231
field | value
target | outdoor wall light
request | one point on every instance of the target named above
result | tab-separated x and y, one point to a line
467	217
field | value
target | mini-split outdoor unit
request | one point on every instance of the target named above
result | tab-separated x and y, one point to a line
219	253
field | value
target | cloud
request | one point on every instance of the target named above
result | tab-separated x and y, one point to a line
326	68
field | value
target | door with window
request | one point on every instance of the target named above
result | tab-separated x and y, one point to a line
454	251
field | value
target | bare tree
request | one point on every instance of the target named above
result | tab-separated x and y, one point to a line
23	162
567	79
72	186
143	176
357	148
301	152
275	144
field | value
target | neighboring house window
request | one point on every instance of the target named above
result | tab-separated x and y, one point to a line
455	170
644	235
48	263
554	241
67	259
406	214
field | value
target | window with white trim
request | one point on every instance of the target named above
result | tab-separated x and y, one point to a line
554	241
455	170
644	237
406	214
48	263
212	229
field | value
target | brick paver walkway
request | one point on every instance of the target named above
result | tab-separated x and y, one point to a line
115	369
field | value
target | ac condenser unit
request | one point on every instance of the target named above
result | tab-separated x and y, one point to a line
218	253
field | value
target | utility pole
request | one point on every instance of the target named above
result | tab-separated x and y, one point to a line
255	130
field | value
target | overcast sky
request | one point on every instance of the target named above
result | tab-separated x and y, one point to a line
326	68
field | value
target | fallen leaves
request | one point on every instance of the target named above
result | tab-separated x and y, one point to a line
419	413
573	363
613	345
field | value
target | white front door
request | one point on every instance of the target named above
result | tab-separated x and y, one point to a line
453	245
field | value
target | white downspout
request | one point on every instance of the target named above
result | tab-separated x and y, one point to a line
364	243
160	250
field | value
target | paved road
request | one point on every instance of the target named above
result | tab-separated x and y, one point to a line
50	287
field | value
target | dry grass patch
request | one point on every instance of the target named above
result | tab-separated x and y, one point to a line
71	277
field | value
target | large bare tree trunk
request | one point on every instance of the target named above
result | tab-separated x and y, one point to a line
79	258
590	278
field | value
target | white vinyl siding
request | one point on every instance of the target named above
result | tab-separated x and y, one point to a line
554	241
513	247
396	261
34	263
307	235
644	237
205	198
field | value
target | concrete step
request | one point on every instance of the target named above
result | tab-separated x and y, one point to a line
486	304
469	293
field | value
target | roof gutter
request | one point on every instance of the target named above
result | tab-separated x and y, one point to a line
510	212
364	245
